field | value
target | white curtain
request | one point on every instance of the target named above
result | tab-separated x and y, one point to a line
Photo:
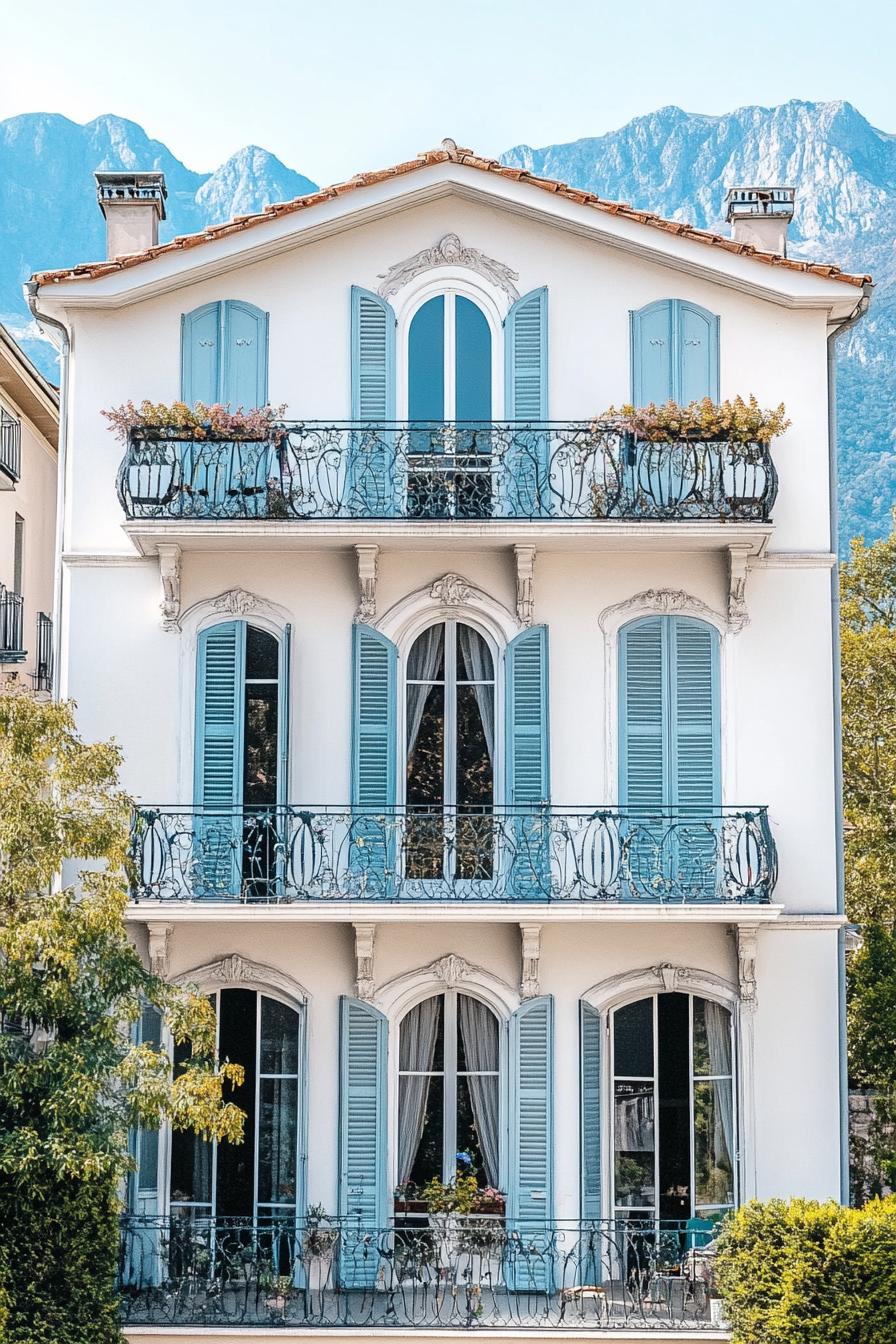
478	667
416	1052
718	1040
479	1033
423	663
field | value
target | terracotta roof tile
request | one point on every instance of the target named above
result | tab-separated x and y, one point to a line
449	152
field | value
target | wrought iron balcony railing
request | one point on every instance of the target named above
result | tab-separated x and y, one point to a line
42	676
297	853
10	450
458	472
442	1273
11	626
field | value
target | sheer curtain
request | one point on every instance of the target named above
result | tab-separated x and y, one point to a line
423	664
477	661
718	1040
479	1033
416	1051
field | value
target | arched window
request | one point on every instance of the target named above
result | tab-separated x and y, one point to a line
240	756
450	753
258	1178
448	1091
673	1109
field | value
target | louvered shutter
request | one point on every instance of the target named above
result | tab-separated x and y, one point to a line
644	756
362	1140
528	762
530	1196
697	339
201	354
653	356
374	677
694	725
141	1249
371	466
590	1037
221	673
523	489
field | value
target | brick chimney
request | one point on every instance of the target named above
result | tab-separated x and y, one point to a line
760	216
132	204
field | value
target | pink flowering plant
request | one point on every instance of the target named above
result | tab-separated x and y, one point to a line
158	420
735	421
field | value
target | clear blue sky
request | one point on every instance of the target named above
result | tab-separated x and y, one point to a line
335	86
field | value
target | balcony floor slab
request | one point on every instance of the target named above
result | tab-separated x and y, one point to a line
465	912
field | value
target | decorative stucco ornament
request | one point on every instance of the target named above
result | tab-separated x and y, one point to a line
236	601
452	590
449	251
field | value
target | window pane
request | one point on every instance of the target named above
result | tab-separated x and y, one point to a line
474	657
236	1161
477	1036
426	362
148	1160
260	786
277	1130
191	1169
427	1162
634	1144
712	1039
416	1048
713	1142
262	655
674	1106
477	1108
475	729
279	1038
473	362
426	660
633	1040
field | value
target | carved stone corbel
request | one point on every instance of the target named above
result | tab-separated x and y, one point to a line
367	577
530	986
738	616
159	945
365	982
747	939
169	574
525	584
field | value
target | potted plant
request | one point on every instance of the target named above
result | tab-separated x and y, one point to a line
319	1240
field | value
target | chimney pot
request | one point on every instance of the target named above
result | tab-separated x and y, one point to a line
132	205
760	216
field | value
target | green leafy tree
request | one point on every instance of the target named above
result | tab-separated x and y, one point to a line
868	635
72	1081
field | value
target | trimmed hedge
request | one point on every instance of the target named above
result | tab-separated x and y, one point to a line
808	1273
58	1258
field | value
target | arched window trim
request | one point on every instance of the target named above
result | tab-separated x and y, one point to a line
450	281
666	602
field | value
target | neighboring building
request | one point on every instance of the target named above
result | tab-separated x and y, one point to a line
486	757
29	433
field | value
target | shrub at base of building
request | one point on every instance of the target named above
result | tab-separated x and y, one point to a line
808	1273
58	1259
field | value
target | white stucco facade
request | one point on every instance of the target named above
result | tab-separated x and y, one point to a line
775	965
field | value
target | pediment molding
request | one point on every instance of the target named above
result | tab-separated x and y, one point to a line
448	251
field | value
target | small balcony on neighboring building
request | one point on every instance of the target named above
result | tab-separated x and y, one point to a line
10	450
550	855
433	1273
584	478
42	676
11	626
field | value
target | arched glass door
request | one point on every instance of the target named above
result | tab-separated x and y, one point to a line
259	1178
674	1127
449	383
450	754
448	1092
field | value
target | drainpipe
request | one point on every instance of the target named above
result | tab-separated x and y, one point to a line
860	311
64	345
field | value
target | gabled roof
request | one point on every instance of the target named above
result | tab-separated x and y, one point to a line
449	152
28	390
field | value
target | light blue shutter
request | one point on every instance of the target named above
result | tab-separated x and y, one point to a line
653	359
644	756
245	377
528	762
530	1195
221	674
523	492
363	1037
593	1242
202	354
698	353
371	467
695	741
374	677
141	1258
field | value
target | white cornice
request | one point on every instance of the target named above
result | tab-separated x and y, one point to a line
442	912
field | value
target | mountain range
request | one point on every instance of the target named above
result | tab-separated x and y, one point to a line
677	163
